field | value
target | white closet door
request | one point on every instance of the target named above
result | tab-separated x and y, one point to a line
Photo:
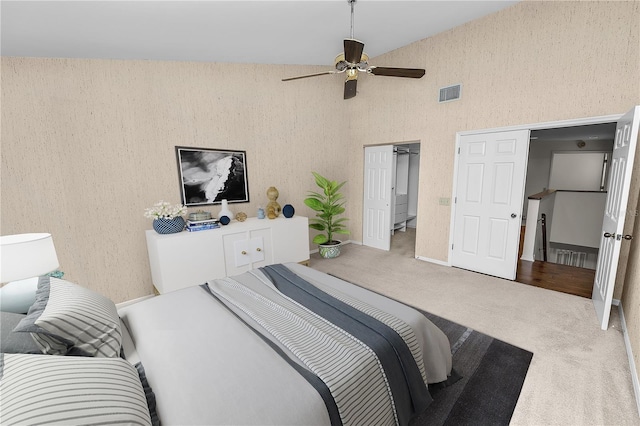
378	196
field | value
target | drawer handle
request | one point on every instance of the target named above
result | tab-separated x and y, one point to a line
244	252
258	249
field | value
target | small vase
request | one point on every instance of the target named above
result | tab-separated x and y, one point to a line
288	211
168	226
224	211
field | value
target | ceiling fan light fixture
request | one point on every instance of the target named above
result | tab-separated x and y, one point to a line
341	64
353	60
363	65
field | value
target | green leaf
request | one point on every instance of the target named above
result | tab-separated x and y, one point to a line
337	188
314	204
317	195
317	226
321	181
320	239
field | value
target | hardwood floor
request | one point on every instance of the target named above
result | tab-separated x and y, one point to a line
552	276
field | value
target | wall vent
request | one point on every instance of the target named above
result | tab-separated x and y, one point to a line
450	93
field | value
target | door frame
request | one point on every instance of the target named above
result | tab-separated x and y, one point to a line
393	144
535	126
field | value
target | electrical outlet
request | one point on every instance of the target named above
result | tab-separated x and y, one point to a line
444	201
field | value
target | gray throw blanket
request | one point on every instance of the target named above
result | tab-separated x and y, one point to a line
369	362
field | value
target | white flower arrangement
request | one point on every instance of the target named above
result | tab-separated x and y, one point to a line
164	210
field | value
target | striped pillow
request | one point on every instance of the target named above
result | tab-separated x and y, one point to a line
39	389
69	319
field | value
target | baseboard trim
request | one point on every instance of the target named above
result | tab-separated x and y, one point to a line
632	364
132	301
344	242
436	261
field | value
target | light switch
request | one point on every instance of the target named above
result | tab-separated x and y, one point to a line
444	201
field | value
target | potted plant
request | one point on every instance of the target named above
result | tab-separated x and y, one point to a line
328	204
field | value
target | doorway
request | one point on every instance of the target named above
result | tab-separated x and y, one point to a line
565	251
391	182
618	189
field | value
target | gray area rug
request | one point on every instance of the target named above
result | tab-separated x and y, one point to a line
492	373
492	376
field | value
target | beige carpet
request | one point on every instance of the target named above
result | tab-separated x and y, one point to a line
579	374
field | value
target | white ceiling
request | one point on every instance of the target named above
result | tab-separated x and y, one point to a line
273	32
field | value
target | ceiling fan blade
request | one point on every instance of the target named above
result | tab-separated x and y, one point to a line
353	50
309	75
398	72
350	88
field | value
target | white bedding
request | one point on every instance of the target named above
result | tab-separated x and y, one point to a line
207	367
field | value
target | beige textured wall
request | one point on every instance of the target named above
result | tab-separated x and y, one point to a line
530	63
88	144
631	293
533	62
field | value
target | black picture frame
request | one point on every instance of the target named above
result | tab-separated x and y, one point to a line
208	176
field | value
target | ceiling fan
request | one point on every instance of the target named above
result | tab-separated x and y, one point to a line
353	60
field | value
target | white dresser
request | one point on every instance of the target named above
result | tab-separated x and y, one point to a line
191	258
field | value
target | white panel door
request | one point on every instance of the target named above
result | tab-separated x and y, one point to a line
615	211
491	170
378	181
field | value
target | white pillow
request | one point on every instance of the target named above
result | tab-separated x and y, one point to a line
38	389
69	319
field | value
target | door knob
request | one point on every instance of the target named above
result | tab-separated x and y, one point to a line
513	215
608	235
628	237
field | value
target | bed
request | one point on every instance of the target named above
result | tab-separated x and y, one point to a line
281	345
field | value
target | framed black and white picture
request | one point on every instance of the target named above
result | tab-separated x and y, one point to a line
208	176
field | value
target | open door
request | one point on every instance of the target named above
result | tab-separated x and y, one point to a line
378	191
491	170
624	149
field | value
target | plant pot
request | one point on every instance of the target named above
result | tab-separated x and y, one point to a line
168	226
330	250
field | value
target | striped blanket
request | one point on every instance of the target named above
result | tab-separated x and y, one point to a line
364	362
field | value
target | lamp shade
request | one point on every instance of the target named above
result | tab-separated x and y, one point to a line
26	256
